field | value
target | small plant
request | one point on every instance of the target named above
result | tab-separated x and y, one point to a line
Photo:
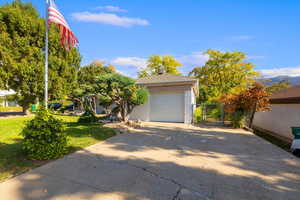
87	117
215	113
44	138
198	115
239	119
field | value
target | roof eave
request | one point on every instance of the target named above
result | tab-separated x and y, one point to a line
168	82
290	100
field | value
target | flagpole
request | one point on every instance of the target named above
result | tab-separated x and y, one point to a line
46	57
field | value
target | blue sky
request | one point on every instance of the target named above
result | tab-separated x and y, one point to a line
126	32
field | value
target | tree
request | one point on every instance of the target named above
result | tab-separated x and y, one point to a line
251	100
223	73
122	91
3	78
284	84
85	93
88	73
22	56
160	64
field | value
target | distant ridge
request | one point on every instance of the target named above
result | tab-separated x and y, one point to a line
293	80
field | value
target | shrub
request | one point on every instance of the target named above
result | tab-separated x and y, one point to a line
87	117
44	138
251	100
198	115
239	119
215	113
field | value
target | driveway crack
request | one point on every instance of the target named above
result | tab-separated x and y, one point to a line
177	194
146	170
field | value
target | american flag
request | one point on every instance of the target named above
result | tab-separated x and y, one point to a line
67	37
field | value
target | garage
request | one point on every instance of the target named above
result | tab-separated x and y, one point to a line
172	99
167	107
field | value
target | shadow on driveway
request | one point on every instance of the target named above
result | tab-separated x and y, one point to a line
166	161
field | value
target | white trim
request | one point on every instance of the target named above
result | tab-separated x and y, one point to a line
6	92
188	106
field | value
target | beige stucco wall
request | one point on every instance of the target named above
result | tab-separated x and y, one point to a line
141	112
279	119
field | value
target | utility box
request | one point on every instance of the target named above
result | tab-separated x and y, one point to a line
33	107
296	141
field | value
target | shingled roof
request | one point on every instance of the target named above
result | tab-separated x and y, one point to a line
165	78
289	95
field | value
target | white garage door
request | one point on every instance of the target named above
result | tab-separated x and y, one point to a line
167	107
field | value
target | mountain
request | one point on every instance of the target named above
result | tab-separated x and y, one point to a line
295	80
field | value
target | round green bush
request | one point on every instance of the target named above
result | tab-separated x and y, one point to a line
44	138
87	117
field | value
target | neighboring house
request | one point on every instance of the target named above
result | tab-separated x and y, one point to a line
172	99
285	113
4	100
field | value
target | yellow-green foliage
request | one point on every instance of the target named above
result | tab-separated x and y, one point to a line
223	73
198	115
161	64
215	113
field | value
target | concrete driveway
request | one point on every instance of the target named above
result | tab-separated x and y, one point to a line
168	162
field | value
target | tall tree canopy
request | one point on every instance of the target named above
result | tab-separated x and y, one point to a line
160	64
87	74
22	45
223	73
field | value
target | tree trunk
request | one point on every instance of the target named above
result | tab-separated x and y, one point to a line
123	111
252	116
25	109
81	104
95	104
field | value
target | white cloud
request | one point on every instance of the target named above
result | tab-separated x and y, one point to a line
125	73
287	71
130	62
137	63
241	38
255	57
108	18
195	59
110	8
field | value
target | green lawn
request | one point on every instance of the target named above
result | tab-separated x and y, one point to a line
10	109
13	160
